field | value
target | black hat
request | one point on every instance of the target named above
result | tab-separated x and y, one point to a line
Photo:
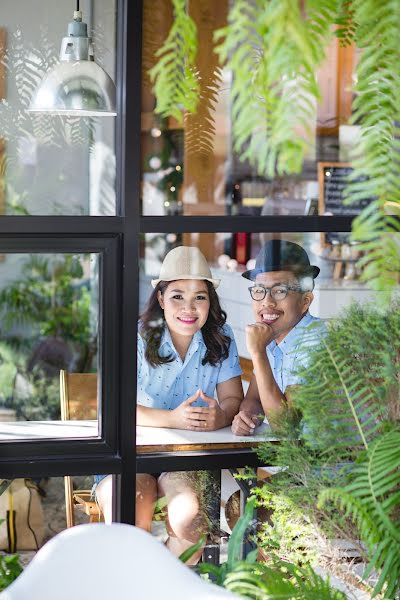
280	255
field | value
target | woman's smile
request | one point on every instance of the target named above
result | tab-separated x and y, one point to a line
187	320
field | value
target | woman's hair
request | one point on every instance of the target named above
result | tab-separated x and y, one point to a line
152	324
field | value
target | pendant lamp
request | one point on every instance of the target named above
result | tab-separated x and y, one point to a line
77	85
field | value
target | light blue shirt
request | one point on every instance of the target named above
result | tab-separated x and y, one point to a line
167	386
290	354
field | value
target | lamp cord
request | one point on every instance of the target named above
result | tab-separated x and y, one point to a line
77	5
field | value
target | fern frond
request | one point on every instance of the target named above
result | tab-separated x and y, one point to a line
346	381
279	581
174	76
372	500
376	175
345	27
274	53
200	134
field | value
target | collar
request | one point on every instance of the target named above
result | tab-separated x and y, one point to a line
166	340
290	339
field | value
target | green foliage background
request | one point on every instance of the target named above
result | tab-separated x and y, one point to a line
274	50
45	313
343	461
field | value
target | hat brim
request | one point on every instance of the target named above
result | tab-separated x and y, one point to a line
215	282
312	271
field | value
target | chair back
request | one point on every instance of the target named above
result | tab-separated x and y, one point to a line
109	561
78	396
78	400
247	368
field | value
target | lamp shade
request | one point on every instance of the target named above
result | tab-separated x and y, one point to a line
79	88
77	85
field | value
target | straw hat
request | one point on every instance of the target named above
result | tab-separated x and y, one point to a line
185	262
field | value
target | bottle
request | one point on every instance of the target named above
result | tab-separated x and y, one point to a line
242	247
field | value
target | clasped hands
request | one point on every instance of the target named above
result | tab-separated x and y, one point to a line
199	418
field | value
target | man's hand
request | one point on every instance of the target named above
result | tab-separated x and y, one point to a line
245	423
258	336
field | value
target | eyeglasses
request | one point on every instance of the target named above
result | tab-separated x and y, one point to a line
278	291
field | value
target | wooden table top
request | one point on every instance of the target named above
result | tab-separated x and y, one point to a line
149	439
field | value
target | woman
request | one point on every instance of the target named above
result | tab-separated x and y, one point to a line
186	353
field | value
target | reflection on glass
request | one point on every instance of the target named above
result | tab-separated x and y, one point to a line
53	165
188	364
213	177
42	510
336	286
49	345
180	507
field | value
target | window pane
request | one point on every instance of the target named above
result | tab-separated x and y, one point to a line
53	165
192	167
197	502
332	268
41	506
49	347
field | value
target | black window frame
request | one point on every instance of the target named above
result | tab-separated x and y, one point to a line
118	238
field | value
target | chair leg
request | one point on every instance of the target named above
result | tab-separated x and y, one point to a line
69	502
211	552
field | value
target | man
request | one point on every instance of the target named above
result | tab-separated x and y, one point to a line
283	280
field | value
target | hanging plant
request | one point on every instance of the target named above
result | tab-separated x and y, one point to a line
274	50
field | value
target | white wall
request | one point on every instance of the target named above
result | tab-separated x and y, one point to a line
330	298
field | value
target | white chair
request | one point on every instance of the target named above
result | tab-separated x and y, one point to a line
109	561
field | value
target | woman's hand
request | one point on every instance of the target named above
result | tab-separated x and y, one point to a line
198	418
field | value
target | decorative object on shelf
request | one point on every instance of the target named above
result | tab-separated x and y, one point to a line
223	260
251	263
243	247
77	85
343	255
232	264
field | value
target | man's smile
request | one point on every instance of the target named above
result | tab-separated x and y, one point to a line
269	317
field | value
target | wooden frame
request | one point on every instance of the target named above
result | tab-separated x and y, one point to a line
2	175
335	76
78	400
321	186
3	40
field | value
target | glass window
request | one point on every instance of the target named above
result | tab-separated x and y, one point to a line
191	167
201	502
42	510
333	279
52	165
49	349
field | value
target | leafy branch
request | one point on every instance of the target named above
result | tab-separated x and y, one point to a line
175	78
274	50
264	581
376	160
372	500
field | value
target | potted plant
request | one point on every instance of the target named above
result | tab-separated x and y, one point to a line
342	478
